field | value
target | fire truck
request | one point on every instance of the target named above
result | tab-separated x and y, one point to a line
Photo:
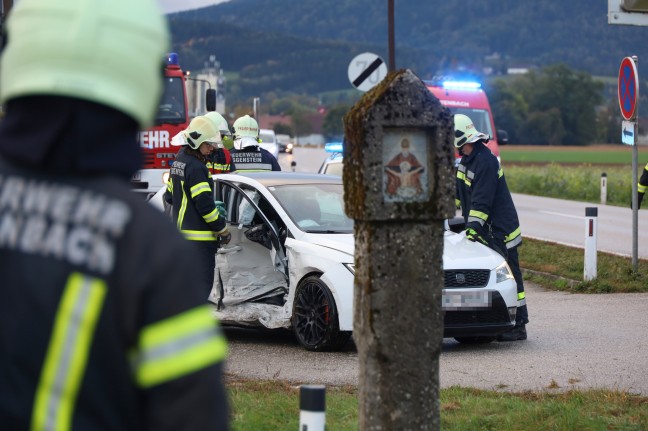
468	98
172	117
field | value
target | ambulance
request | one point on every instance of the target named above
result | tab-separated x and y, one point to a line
468	98
171	118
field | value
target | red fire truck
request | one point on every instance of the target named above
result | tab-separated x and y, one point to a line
172	117
468	98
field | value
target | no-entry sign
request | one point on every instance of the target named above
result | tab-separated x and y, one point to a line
366	70
628	88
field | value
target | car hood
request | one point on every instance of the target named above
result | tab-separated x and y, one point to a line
458	252
461	253
340	242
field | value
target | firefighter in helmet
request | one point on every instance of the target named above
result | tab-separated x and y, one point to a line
220	160
190	191
247	154
487	208
103	326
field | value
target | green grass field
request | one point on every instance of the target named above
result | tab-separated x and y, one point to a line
595	154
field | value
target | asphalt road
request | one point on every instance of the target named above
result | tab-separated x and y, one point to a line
576	341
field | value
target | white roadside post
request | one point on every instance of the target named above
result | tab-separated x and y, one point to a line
603	188
312	406
591	227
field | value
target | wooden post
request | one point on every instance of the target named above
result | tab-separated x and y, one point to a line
399	188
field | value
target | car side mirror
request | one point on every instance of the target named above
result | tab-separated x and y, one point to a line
210	100
456	224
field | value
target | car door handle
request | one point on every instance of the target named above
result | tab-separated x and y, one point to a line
226	250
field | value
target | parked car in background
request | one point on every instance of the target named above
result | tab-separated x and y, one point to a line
269	141
290	264
285	146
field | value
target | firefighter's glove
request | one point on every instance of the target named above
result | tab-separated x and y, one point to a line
220	206
224	238
473	236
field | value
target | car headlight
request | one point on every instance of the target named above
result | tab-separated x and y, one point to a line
503	273
350	267
165	177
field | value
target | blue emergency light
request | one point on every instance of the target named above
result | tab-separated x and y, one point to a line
172	59
333	147
465	85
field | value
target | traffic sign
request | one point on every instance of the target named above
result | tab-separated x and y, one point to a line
628	132
628	88
366	70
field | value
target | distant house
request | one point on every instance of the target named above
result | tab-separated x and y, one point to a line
316	120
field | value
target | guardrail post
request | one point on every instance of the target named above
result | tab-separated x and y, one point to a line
591	227
398	187
603	188
312	406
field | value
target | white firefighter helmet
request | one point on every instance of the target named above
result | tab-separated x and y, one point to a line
246	126
219	121
202	130
465	131
80	49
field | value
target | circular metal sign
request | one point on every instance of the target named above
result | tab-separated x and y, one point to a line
366	70
628	89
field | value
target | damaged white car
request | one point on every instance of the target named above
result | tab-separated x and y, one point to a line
290	264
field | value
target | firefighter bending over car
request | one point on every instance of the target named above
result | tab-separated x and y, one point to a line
103	324
190	191
488	210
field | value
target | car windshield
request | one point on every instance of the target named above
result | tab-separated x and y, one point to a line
480	119
171	109
315	208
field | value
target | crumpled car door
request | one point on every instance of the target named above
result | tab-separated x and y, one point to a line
253	266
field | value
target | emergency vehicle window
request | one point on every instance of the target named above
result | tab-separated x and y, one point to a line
172	107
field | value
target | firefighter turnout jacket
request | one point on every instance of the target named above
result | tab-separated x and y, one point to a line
254	158
220	162
96	332
642	185
191	192
484	197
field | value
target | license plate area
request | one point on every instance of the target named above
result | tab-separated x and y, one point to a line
466	300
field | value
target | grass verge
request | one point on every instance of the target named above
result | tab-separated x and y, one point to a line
274	406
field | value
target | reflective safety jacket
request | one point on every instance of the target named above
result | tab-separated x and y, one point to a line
220	162
642	186
254	158
191	192
484	197
102	325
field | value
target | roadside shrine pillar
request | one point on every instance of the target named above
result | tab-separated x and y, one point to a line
399	187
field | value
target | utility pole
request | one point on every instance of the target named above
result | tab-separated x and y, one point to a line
392	54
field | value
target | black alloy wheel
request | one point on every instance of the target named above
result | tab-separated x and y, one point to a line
315	319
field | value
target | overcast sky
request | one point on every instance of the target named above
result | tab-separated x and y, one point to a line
169	6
